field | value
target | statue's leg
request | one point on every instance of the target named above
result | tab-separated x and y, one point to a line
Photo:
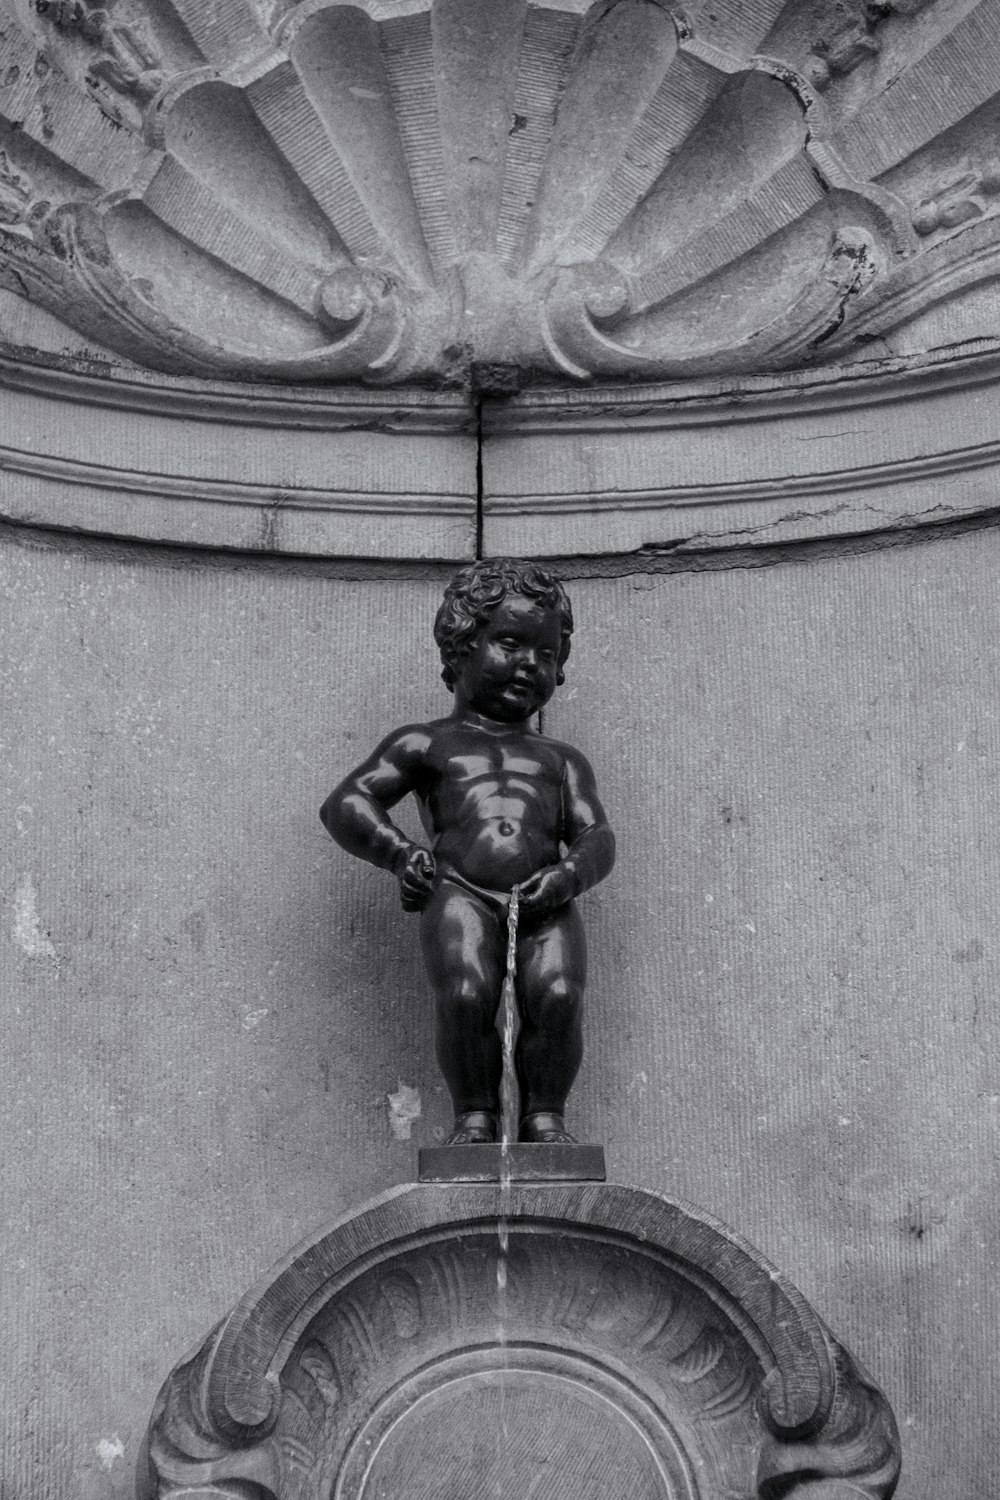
551	973
463	945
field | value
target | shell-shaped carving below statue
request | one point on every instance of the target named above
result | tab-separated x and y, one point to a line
420	189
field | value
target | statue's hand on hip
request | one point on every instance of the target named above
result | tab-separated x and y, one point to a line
416	879
546	890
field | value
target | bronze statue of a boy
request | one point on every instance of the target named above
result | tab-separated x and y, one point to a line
504	806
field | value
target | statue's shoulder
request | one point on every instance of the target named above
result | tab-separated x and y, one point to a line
409	742
568	755
421	739
437	729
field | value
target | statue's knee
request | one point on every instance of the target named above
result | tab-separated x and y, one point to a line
467	1004
562	1004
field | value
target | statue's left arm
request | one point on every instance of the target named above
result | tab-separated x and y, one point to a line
590	843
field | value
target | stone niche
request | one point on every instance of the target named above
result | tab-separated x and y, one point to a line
401	280
272	274
553	1341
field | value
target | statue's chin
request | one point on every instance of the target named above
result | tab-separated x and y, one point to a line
514	708
513	713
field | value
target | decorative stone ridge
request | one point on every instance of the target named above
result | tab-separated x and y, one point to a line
269	470
352	472
456	190
681	469
577	1342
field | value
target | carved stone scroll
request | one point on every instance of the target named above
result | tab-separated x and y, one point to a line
476	192
575	1342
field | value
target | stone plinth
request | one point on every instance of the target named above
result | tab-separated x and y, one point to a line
518	1162
568	1341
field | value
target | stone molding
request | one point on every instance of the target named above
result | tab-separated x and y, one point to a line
266	470
690	469
472	191
620	1327
349	472
83	382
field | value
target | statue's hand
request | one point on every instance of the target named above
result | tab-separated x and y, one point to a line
415	879
546	890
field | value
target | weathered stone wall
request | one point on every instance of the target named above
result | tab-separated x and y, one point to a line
207	1005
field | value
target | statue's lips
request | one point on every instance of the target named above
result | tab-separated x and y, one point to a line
519	695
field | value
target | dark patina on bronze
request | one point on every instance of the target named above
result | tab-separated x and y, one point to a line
504	806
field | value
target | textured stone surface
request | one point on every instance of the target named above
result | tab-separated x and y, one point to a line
514	1163
471	190
255	468
207	1006
413	474
574	1341
693	468
214	1033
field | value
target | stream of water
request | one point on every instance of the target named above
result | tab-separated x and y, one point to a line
509	1111
508	1088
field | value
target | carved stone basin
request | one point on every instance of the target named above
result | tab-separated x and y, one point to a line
536	1342
513	1428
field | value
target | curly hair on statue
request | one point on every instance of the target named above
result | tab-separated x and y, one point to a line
476	591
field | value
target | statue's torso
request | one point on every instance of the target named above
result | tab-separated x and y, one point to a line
493	802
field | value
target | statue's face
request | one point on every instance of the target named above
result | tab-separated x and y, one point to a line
511	669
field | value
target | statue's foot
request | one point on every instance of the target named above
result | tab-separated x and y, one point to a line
477	1128
545	1128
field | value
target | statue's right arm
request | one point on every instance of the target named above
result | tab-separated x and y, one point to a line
356	812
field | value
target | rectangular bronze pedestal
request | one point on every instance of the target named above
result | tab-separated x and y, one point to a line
526	1163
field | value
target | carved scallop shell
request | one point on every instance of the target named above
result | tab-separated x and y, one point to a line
410	189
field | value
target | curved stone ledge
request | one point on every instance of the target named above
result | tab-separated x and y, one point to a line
830	453
354	473
85	381
272	470
595	1338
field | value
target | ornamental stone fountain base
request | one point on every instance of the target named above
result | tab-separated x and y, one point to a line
543	1340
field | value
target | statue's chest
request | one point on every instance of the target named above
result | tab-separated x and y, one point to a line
495	764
